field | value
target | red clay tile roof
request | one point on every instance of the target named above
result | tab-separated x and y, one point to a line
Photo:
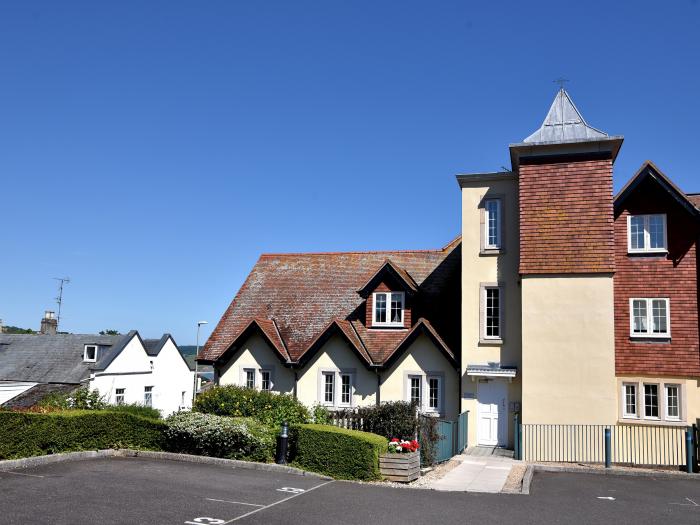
304	293
389	266
694	198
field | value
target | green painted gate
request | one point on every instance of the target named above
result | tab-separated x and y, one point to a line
453	437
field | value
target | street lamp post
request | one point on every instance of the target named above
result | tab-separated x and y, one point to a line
194	389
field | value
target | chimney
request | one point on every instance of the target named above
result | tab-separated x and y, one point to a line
49	324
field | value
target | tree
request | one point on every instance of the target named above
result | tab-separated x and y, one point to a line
110	332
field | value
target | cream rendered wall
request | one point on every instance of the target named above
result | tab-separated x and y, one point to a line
424	358
480	268
171	377
568	360
336	355
256	353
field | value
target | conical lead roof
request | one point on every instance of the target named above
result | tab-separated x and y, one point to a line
564	123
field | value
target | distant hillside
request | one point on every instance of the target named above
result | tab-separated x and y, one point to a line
16	330
188	349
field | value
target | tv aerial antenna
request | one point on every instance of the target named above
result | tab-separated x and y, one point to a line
59	299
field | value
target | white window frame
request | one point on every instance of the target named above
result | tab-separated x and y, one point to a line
499	214
148	394
484	318
658	401
324	401
667	416
409	396
625	413
428	408
247	371
647	236
119	398
388	309
85	352
650	318
342	403
270	382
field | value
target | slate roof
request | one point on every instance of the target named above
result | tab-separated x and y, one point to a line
564	123
49	358
34	395
296	297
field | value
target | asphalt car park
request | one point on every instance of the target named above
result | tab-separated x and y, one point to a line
150	491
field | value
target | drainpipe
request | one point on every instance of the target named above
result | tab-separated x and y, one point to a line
378	397
296	378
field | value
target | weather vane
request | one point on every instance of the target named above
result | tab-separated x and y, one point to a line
561	82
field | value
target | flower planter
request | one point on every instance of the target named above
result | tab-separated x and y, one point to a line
403	467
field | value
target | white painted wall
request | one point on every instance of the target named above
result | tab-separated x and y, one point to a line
172	377
133	370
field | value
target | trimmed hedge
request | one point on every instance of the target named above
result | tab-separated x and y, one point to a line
29	434
219	436
336	452
266	407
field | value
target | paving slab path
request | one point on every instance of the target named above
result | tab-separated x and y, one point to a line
479	471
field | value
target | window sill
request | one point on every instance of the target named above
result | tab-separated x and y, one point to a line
388	327
492	251
648	252
652	422
636	338
492	342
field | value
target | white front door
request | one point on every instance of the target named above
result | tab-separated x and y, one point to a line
491	422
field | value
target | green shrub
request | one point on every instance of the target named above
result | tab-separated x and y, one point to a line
393	419
80	399
135	409
30	434
219	436
320	415
266	407
336	452
428	438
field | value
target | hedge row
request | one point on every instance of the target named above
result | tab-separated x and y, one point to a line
336	452
26	434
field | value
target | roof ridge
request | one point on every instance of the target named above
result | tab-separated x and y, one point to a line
278	254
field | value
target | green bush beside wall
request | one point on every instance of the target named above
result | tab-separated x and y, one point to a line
266	407
28	434
336	452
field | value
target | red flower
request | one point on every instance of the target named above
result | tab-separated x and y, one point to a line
395	440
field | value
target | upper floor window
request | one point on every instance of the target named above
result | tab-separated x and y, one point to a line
90	353
388	309
650	318
646	233
492	224
491	315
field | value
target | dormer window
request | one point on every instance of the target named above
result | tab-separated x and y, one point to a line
90	353
388	309
646	233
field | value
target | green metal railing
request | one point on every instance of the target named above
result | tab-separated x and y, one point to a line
649	445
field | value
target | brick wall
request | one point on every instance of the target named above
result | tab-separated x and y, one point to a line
674	276
566	217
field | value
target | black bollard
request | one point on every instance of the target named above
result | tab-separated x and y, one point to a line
282	440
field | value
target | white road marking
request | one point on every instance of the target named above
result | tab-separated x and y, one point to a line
291	489
691	504
234	502
21	474
278	502
610	498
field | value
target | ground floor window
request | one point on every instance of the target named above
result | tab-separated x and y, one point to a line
148	396
416	385
673	410
265	380
651	401
345	389
119	395
434	394
415	389
329	388
630	400
249	378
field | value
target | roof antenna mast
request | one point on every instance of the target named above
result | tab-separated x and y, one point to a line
59	300
561	81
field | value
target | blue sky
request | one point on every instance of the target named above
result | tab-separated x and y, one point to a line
152	150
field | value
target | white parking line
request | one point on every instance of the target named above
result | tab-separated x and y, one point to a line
278	502
234	502
21	474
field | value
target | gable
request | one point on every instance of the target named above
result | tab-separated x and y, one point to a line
132	358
